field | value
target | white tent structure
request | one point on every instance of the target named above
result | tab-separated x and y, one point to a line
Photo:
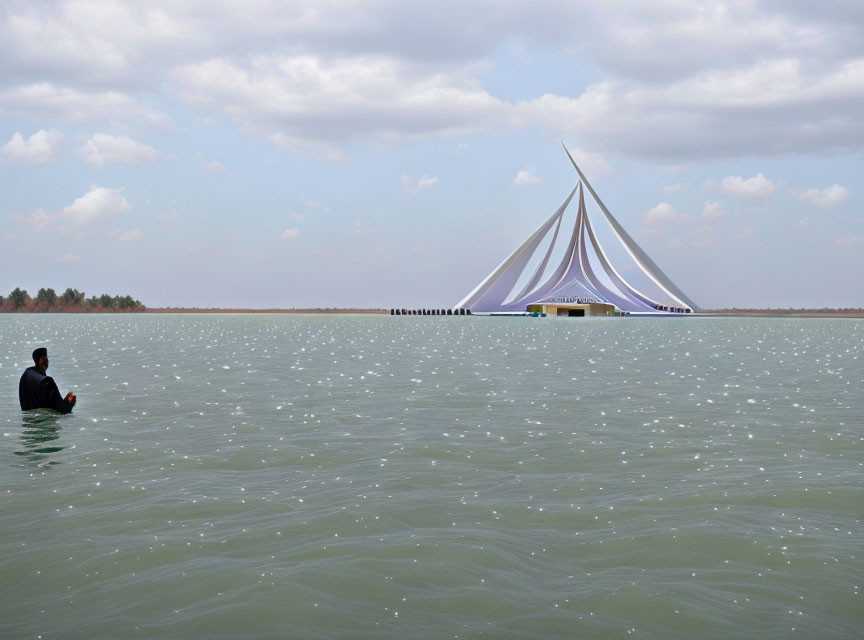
584	273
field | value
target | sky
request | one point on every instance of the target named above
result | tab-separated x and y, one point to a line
381	153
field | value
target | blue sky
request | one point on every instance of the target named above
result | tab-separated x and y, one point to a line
298	154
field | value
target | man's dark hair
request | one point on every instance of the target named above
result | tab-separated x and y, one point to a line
41	352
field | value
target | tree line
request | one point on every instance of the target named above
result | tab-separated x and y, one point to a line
70	301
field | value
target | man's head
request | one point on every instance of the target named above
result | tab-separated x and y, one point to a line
40	357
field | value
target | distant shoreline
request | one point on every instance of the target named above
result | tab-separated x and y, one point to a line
763	313
787	313
302	311
774	313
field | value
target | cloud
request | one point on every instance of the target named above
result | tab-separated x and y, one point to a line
848	241
662	212
39	219
313	204
426	182
756	188
313	102
412	186
593	164
97	204
103	149
362	230
69	258
215	167
40	148
713	210
803	223
672	188
676	81
51	102
764	107
290	234
133	235
526	176
832	196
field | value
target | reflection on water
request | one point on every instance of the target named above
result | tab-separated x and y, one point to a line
40	428
232	475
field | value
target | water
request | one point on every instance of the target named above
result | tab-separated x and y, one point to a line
428	477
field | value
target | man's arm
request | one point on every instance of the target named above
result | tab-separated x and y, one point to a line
52	397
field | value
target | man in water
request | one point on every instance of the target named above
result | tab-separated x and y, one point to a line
39	391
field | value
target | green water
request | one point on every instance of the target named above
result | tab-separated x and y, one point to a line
431	477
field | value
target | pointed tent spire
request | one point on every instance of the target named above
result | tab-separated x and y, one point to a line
576	274
497	285
642	260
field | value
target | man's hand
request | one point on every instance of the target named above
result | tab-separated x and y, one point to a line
71	399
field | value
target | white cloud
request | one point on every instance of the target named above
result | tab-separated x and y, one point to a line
103	149
425	182
215	167
665	212
313	204
526	176
713	210
672	188
40	148
756	188
290	234
97	204
39	219
412	186
832	196
49	101
678	80
662	212
848	241
69	258
593	164
803	223
361	230
760	107
133	235
298	217
313	102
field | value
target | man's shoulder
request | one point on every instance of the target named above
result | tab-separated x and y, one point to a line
34	376
31	372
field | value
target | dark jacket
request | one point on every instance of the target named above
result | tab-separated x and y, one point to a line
38	391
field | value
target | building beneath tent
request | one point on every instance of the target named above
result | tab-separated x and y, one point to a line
574	309
582	281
